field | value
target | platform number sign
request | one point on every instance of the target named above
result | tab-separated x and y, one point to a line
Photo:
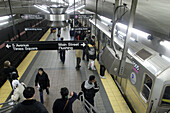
133	78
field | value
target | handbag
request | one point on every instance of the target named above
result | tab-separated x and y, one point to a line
65	105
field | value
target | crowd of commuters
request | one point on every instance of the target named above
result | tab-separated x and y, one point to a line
24	95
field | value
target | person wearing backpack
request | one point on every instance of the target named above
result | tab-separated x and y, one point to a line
92	55
18	91
10	72
90	88
64	104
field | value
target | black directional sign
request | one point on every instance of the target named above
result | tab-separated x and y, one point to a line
45	45
81	28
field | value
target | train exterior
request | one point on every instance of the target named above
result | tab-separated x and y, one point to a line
146	85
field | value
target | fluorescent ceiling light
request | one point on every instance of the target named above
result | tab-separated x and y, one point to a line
165	44
3	23
104	23
132	39
43	7
165	57
70	11
121	33
4	18
135	31
105	19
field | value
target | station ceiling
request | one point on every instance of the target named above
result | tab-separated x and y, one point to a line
152	16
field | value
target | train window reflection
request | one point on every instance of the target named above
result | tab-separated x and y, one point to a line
166	96
147	87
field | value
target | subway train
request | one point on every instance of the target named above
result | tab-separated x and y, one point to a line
146	81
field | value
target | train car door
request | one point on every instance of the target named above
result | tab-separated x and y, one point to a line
164	102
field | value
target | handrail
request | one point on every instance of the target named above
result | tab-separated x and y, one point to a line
87	105
7	107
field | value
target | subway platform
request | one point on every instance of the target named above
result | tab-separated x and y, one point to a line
107	100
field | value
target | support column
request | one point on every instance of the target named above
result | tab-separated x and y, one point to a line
128	34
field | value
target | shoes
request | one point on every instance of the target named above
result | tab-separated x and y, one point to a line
94	69
102	77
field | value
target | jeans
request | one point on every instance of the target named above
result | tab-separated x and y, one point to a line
41	95
102	70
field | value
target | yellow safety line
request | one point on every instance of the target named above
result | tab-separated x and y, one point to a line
5	90
118	103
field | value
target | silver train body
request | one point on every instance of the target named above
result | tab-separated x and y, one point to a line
146	80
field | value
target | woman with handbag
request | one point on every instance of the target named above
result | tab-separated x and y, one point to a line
64	104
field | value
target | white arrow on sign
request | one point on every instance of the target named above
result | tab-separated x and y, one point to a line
83	44
8	46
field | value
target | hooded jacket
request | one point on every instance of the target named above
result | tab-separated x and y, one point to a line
18	91
89	89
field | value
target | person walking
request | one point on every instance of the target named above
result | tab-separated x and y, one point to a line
90	88
10	71
64	104
62	53
102	67
18	91
29	105
92	55
42	82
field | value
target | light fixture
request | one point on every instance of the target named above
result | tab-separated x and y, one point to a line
3	23
72	10
43	7
135	31
104	23
4	18
105	19
165	44
165	57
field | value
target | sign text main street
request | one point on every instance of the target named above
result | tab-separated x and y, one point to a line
44	45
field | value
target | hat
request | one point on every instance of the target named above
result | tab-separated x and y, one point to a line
15	84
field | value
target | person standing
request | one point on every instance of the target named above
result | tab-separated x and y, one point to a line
10	71
62	53
29	105
42	81
102	67
64	104
92	55
90	88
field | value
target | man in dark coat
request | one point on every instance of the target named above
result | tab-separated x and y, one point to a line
42	82
64	105
10	72
90	88
29	105
62	53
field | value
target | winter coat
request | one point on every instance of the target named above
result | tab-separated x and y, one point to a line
78	53
42	80
59	104
9	70
100	59
91	52
18	93
89	90
29	106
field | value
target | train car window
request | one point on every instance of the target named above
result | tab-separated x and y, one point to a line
166	97
147	87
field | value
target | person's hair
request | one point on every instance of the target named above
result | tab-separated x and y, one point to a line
41	69
91	77
93	36
62	38
58	35
64	93
29	92
6	63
